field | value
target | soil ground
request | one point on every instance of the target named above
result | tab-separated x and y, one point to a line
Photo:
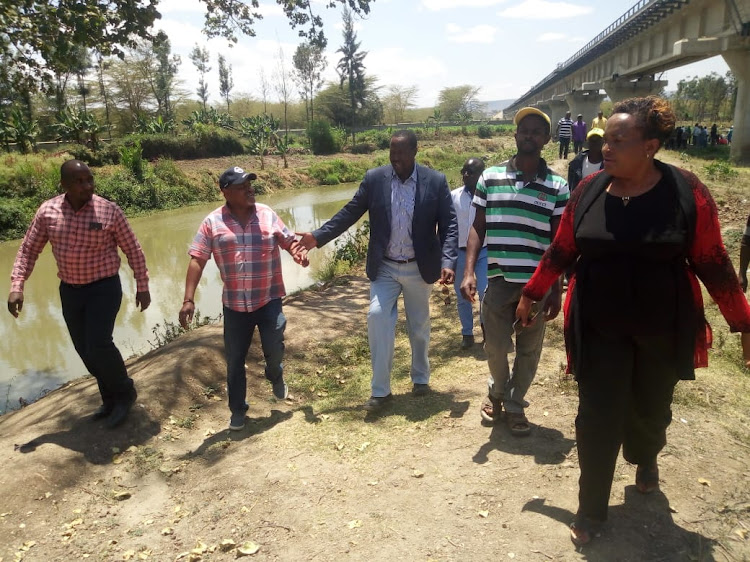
315	477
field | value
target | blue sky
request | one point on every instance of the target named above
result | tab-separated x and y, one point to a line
502	46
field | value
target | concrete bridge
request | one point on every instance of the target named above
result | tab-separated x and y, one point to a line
653	36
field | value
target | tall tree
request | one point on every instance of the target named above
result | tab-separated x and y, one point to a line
265	89
309	64
101	66
201	57
351	68
165	75
81	69
226	83
38	33
459	101
333	103
398	100
283	85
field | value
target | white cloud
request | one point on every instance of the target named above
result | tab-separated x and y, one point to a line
544	10
180	6
477	34
437	5
564	37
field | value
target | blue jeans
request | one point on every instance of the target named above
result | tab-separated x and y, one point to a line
465	311
90	312
393	279
238	334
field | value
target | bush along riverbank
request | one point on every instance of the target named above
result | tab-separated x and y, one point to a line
135	185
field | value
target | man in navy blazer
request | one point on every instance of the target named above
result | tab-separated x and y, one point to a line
413	243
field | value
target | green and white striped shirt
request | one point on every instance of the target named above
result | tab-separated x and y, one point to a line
518	217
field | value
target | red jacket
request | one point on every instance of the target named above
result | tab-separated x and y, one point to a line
707	261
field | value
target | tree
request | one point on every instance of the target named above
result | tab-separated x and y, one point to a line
100	67
37	34
707	97
457	101
80	69
309	64
226	83
165	75
398	100
351	68
265	89
201	57
283	85
333	103
260	131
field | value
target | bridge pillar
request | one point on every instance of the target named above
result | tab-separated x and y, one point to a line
585	102
556	110
739	62
619	90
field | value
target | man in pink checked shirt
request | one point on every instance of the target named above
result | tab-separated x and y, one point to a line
85	231
244	238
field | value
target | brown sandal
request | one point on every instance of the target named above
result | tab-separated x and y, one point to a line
518	424
583	529
647	478
491	410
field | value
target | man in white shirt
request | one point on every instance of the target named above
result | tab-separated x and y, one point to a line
462	198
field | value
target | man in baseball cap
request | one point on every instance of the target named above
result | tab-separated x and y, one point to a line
589	161
235	176
245	238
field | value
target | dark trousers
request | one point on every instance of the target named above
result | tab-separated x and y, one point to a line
625	387
577	146
564	147
238	334
90	312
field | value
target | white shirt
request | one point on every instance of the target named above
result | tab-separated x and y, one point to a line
465	213
589	168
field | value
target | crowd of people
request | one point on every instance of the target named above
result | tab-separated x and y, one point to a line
623	223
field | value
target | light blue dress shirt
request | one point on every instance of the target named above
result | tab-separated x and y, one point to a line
403	195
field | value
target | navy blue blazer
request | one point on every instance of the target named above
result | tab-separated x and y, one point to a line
434	227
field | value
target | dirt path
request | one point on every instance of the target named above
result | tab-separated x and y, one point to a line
424	481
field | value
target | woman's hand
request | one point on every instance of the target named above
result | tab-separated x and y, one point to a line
746	348
524	309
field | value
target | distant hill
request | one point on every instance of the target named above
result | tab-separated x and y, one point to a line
494	106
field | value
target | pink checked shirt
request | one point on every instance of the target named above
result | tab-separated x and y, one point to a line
84	243
248	258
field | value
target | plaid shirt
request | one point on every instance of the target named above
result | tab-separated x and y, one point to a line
84	243
248	258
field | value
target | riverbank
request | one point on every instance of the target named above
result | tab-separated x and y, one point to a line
316	478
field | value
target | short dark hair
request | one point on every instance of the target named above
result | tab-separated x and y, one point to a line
407	135
69	166
653	115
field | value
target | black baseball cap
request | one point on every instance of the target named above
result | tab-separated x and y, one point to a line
234	176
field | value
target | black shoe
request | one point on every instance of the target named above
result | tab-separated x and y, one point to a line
467	342
376	403
101	412
420	389
119	414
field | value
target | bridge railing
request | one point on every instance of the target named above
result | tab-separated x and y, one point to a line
616	25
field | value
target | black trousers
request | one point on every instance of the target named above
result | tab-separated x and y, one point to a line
625	388
90	312
564	146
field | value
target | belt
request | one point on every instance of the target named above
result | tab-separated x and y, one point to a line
399	261
81	286
462	248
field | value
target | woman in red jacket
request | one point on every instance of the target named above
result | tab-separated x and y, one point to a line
641	232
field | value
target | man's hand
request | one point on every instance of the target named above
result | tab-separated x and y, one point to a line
743	281
469	288
307	240
447	276
15	303
299	253
142	299
186	314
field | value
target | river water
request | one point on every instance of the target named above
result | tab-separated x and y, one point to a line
35	349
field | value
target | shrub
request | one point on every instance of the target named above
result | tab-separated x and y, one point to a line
720	170
323	139
15	216
32	176
484	131
131	158
362	148
210	142
341	170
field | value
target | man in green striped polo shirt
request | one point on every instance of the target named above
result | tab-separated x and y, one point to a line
519	204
